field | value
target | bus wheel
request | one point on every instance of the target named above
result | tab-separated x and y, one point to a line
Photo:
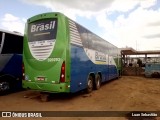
4	87
90	84
97	83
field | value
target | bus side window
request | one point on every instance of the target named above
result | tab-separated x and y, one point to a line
12	44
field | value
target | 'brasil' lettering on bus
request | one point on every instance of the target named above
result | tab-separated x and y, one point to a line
43	26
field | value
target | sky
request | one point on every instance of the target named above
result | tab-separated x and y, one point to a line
124	23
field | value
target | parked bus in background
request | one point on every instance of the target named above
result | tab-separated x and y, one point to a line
152	69
11	46
59	55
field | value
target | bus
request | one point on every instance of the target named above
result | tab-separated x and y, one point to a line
62	56
11	47
152	69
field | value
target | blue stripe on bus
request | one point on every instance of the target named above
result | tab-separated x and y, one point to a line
13	67
81	66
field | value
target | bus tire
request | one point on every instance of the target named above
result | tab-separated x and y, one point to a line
5	87
89	84
97	82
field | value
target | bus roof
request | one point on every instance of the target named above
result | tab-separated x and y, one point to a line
11	32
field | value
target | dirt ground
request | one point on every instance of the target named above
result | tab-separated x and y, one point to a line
125	94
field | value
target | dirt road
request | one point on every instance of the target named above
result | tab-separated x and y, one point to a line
125	94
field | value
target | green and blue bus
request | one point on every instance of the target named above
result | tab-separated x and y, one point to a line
61	56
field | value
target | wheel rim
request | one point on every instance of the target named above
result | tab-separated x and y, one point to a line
98	82
90	85
4	86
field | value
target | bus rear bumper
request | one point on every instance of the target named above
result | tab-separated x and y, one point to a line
47	87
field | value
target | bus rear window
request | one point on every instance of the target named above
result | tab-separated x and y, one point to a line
42	30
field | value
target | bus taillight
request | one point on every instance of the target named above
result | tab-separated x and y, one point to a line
62	75
23	75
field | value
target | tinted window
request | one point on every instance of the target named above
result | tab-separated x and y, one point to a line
42	30
12	44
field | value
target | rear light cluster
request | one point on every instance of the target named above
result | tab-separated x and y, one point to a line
62	75
23	75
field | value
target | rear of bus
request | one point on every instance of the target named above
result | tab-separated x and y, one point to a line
45	53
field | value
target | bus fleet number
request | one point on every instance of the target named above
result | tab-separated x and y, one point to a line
53	59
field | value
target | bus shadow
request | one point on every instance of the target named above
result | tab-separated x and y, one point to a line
50	97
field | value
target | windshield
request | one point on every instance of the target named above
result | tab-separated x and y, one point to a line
42	30
13	44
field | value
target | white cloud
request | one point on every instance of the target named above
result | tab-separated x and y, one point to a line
125	5
138	30
9	17
71	8
83	5
134	30
147	3
13	23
